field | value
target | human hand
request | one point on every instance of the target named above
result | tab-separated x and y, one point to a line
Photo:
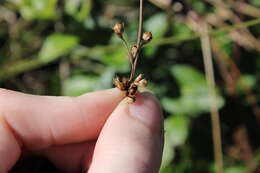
97	132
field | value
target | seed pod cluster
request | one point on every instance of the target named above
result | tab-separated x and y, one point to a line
130	85
147	36
130	88
119	29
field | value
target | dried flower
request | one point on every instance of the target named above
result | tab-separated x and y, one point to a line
134	51
143	83
130	85
130	100
139	78
119	29
147	36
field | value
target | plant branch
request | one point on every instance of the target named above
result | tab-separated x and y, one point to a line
140	27
139	40
174	40
130	57
216	130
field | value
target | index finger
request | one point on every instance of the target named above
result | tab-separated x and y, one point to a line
41	121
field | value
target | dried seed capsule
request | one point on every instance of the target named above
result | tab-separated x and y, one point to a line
134	51
132	90
118	83
130	100
143	83
147	36
139	78
119	29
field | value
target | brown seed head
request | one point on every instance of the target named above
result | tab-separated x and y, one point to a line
134	51
132	90
139	78
119	29
147	36
130	100
118	83
143	83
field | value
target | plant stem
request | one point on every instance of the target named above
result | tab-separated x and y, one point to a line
130	57
216	130
139	40
174	40
140	28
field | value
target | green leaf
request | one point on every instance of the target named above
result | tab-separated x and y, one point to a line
181	30
199	6
255	3
176	128
187	75
167	169
57	45
226	44
157	24
245	83
194	93
117	59
79	84
106	78
176	132
235	169
38	9
79	9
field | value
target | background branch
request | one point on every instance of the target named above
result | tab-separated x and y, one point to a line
216	130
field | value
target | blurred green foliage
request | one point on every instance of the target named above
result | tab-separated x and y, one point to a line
57	47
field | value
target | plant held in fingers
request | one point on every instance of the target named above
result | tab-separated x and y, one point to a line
130	85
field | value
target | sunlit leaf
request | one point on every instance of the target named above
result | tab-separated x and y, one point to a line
176	128
225	43
235	169
245	83
194	98
255	2
106	79
176	132
79	84
57	45
181	30
117	59
157	24
79	9
199	6
38	9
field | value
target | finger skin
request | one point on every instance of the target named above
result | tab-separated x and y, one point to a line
9	148
37	122
131	143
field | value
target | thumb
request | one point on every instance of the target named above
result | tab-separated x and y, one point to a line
132	139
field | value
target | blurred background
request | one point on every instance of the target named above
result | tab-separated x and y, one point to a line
67	47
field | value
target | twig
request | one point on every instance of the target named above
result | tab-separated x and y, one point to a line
216	131
174	40
139	39
140	28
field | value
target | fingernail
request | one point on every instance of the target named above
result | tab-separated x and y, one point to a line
146	108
